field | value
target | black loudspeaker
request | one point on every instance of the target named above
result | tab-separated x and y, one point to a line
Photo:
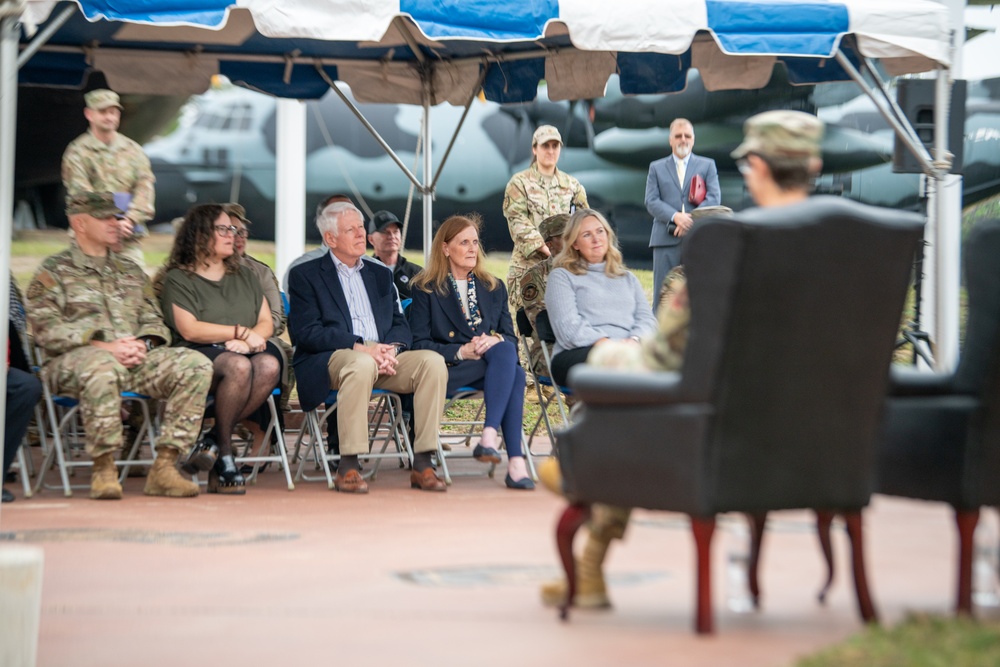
916	99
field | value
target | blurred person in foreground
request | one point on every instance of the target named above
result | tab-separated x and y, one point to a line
779	160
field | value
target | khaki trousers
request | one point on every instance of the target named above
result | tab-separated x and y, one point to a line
354	374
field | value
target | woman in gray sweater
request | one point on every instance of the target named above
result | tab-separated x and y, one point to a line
591	296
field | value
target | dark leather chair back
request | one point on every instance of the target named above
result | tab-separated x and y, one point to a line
804	355
978	371
794	317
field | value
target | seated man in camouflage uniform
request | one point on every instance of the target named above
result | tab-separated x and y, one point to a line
534	281
779	160
94	314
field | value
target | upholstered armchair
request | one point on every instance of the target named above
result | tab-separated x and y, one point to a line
942	432
794	314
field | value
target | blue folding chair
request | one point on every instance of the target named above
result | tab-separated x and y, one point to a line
67	441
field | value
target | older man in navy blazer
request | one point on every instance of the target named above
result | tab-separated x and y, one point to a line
350	335
667	199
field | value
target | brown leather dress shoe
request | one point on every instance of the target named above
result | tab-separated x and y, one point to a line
427	481
350	482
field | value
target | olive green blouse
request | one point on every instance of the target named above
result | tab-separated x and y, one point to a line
236	299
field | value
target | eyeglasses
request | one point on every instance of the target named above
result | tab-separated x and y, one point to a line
243	233
743	166
226	230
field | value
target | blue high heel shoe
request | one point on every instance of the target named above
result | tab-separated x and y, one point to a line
524	484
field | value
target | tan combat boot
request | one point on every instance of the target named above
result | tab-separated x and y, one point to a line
104	478
165	480
591	593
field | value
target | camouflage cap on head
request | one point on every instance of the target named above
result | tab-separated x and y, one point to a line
97	204
553	226
545	133
235	210
102	98
781	134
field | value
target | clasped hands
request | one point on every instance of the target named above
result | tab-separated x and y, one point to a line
478	346
129	351
251	342
384	355
682	223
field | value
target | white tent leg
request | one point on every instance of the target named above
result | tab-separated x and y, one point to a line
947	276
9	35
427	176
290	194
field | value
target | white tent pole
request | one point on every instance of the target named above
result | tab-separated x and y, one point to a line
20	567
9	36
290	190
948	246
426	188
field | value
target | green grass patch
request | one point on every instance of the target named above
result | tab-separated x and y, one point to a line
919	641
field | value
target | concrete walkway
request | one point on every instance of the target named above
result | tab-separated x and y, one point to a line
404	577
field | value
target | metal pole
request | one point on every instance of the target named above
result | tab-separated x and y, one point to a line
43	38
9	36
948	249
426	188
290	188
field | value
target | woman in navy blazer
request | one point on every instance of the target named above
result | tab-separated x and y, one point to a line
460	311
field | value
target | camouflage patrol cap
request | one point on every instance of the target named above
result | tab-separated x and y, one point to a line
97	204
545	133
781	134
102	98
237	211
553	226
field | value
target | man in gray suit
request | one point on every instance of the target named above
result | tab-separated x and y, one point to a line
667	198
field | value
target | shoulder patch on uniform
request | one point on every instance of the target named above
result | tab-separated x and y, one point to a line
529	292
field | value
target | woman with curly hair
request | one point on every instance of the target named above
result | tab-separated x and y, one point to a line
216	306
460	311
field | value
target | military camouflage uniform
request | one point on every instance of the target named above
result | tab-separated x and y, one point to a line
663	351
533	297
90	165
75	299
530	198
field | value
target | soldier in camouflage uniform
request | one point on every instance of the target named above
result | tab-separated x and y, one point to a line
532	195
779	159
94	314
102	160
534	281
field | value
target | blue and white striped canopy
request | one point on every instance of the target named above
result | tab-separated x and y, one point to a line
294	48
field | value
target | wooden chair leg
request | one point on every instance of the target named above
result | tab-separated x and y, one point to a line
824	520
572	518
757	522
703	528
966	521
865	606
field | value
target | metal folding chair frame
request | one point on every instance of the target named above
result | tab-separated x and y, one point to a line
62	412
471	394
386	425
280	457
